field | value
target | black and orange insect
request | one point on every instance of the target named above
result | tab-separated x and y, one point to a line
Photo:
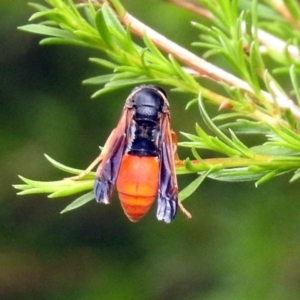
139	157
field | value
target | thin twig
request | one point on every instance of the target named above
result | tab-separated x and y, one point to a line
265	38
268	40
277	45
274	43
204	68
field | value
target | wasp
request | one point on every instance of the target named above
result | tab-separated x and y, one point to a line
139	158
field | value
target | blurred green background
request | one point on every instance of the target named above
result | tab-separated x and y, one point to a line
242	242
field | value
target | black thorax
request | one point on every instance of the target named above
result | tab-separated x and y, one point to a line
148	107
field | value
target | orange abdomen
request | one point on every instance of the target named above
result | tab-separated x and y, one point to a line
137	184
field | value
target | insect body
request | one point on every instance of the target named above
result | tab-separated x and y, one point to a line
138	157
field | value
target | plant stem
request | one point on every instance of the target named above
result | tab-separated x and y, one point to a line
204	68
265	38
238	162
268	40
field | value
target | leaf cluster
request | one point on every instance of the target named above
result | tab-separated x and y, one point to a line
130	63
257	42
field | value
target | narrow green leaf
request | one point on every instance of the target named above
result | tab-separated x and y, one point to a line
290	118
224	40
40	14
91	38
294	81
182	170
256	67
270	84
124	75
90	13
62	41
214	143
206	45
235	175
120	69
38	7
42	184
196	154
179	70
191	103
266	177
192	137
104	31
111	19
262	10
219	146
201	133
246	127
288	135
163	68
46	30
195	168
154	50
126	42
129	82
190	145
68	169
241	146
227	143
212	52
21	186
200	26
105	90
102	79
296	176
79	202
273	150
103	62
284	160
39	190
283	144
191	188
77	187
119	58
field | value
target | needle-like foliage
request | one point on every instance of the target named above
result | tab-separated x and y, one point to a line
256	40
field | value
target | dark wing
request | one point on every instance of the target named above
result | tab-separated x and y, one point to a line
112	151
168	189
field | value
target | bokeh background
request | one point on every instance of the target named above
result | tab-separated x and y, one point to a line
242	242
